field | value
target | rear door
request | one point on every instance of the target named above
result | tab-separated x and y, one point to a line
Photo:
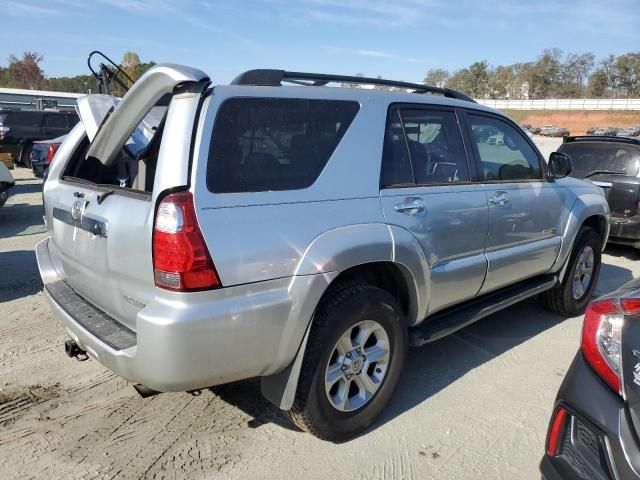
103	202
525	210
427	189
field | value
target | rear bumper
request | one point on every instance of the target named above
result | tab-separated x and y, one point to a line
591	402
625	231
196	340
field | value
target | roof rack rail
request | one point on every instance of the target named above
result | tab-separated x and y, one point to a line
274	78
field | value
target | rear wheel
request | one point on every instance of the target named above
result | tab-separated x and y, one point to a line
25	155
4	194
572	296
355	354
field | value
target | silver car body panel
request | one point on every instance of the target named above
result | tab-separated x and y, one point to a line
92	110
135	105
276	252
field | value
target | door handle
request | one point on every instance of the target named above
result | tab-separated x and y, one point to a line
499	199
411	206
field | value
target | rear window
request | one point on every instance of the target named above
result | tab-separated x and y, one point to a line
56	121
269	144
593	157
23	119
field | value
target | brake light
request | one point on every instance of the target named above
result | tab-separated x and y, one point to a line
556	431
181	261
602	341
4	131
51	151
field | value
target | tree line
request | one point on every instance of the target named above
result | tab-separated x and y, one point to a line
26	72
552	75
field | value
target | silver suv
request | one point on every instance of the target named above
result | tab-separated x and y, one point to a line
303	234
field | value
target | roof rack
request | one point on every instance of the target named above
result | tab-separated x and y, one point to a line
274	78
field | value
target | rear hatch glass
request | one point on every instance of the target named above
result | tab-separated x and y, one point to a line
591	157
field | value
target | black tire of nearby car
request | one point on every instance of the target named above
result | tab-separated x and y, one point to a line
344	306
560	298
25	155
4	194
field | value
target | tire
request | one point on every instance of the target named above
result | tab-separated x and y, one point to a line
356	308
25	155
563	299
4	195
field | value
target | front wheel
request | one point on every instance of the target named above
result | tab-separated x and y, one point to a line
355	354
571	297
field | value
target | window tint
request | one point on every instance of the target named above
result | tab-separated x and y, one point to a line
396	164
589	157
24	119
433	143
264	144
56	121
72	119
504	152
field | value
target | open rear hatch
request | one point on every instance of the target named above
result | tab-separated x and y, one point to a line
103	201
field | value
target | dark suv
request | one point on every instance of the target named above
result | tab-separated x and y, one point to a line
19	128
612	163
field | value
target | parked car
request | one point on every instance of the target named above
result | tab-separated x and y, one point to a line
633	131
20	128
612	163
6	183
553	131
530	128
595	422
605	132
43	153
306	235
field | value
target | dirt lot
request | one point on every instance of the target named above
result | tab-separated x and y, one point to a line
576	121
472	406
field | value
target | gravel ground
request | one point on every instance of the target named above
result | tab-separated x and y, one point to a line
472	406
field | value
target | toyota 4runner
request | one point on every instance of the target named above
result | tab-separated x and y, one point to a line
304	234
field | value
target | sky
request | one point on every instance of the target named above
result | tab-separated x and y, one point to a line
398	39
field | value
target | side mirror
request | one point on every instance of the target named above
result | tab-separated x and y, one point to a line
560	165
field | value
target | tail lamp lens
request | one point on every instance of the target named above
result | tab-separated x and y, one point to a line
181	261
602	341
51	151
555	433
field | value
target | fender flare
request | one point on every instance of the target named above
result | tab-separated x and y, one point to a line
326	257
585	206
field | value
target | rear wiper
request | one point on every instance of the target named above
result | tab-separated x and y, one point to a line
602	172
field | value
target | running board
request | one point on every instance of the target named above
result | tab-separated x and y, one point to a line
454	318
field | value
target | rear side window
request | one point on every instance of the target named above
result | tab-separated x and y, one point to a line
23	119
56	121
589	158
270	144
423	146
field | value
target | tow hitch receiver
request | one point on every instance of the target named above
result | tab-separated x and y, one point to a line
72	350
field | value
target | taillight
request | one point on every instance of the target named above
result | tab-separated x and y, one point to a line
4	131
53	148
602	341
181	260
555	432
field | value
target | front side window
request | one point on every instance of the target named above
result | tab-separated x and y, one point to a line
505	154
423	146
271	144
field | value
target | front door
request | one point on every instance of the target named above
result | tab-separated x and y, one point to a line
426	189
525	210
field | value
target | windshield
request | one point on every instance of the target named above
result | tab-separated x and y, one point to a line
589	157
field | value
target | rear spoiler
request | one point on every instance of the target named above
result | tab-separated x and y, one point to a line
598	138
